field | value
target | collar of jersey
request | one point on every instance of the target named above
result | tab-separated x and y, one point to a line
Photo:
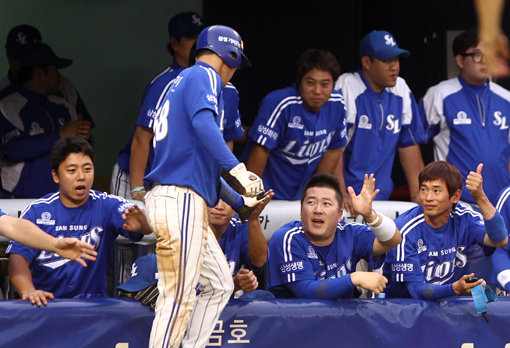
369	88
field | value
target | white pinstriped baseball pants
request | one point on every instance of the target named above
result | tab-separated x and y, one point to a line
187	254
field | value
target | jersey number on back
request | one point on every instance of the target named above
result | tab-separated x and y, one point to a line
161	123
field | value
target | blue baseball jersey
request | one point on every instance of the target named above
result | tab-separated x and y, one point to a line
2	213
297	138
98	222
432	255
469	125
377	124
180	158
234	243
292	257
154	94
29	125
501	257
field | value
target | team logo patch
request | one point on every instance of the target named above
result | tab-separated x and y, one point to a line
462	118
292	267
296	123
45	219
364	122
212	98
311	253
402	267
421	246
35	129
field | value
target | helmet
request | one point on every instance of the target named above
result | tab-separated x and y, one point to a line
226	43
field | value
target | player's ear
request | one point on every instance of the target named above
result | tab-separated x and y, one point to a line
54	174
365	62
459	60
456	196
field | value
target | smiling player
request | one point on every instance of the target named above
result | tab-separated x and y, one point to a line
430	263
74	211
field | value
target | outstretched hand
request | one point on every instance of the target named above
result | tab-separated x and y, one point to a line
135	220
76	250
362	203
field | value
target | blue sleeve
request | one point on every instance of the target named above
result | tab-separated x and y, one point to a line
262	131
28	148
427	291
232	128
231	197
323	289
212	140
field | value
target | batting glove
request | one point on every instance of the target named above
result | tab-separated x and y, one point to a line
249	204
244	182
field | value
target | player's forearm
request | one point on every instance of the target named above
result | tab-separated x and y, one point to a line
427	291
19	274
497	234
140	147
29	148
26	233
257	160
412	164
329	162
257	244
489	17
325	288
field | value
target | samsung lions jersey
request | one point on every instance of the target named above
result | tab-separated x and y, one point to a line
377	124
470	125
293	257
179	156
98	222
297	138
432	255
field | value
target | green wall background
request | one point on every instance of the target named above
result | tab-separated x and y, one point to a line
117	47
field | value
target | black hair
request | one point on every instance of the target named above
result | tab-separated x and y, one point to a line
314	58
67	145
464	41
324	180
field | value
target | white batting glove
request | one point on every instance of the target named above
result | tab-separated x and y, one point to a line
250	203
244	182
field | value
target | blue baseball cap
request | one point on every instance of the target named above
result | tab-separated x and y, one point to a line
382	45
187	24
19	37
41	54
144	273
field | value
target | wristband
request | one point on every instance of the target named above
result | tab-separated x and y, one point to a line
495	228
376	220
138	188
386	230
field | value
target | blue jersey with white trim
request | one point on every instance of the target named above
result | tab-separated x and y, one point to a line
234	243
98	222
296	137
432	255
292	257
151	101
377	124
501	257
180	158
470	125
29	126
